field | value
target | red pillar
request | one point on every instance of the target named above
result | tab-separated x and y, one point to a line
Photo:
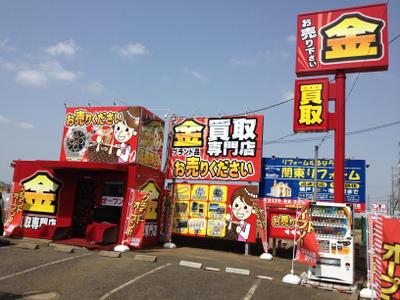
340	126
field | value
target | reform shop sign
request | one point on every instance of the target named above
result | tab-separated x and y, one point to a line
294	177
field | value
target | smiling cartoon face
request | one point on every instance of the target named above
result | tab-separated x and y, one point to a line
240	209
123	132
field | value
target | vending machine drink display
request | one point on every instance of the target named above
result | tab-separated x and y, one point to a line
333	227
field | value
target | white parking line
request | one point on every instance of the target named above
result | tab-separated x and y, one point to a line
42	266
132	281
251	291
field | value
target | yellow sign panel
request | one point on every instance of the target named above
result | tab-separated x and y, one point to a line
197	226
216	228
180	225
311	104
218	193
200	192
216	210
182	192
198	209
181	209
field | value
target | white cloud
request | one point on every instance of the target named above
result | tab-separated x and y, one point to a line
25	125
131	50
42	73
287	95
94	87
241	62
5	46
13	66
67	48
199	76
291	38
4	119
54	70
33	78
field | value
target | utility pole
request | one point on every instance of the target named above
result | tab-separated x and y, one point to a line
315	172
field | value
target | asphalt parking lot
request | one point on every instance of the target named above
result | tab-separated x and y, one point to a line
86	275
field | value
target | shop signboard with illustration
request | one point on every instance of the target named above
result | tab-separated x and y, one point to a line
352	39
294	177
112	134
217	211
228	148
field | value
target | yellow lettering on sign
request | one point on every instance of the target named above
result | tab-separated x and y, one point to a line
310	105
353	36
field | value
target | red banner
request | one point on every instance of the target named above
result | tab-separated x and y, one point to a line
15	209
228	148
280	222
307	245
135	221
390	258
311	105
352	39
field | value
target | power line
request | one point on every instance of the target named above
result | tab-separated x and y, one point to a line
279	140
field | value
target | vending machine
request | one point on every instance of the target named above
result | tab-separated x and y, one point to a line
334	232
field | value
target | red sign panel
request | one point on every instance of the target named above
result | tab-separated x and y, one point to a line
352	39
113	134
282	224
228	148
311	105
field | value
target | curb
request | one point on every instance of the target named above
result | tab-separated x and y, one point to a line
29	246
237	271
111	254
64	248
190	264
147	258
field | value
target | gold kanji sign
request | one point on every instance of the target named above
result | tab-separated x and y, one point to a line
352	37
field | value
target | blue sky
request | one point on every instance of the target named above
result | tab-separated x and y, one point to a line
187	57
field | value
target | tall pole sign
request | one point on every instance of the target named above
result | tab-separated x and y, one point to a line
336	42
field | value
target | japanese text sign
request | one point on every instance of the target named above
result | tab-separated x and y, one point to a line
123	134
135	219
311	105
228	148
352	39
294	177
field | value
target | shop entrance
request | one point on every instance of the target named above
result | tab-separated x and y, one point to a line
84	205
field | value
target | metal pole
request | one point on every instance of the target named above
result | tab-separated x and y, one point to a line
340	127
316	173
